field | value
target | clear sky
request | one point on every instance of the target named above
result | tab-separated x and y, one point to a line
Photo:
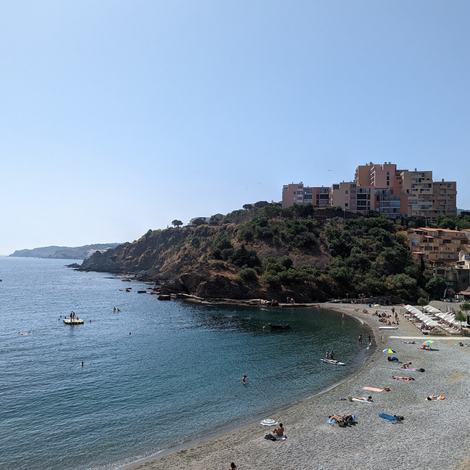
119	116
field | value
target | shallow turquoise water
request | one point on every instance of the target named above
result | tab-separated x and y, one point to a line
140	393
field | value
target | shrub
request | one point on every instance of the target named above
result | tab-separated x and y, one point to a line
248	275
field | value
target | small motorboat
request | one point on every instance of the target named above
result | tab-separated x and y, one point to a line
279	327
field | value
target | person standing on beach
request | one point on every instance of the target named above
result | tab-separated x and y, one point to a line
232	466
244	380
360	339
370	340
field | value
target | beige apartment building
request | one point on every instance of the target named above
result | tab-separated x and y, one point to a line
427	198
436	244
447	250
382	188
351	197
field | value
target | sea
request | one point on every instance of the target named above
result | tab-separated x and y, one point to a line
155	374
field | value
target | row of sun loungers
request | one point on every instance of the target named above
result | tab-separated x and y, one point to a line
434	318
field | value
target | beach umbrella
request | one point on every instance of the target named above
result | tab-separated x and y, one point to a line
389	351
427	343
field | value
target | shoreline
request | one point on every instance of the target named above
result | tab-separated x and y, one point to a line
418	442
227	429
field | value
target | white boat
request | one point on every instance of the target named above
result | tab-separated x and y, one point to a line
73	321
388	327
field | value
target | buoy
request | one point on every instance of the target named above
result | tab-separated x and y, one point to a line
264	326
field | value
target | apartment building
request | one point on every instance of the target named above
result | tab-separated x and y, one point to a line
427	198
351	197
300	194
382	188
383	176
436	244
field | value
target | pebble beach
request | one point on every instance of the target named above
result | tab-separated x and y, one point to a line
432	435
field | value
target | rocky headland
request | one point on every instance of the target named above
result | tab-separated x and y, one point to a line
303	253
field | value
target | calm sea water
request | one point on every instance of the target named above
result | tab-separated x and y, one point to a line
141	393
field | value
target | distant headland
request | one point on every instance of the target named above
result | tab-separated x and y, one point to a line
65	252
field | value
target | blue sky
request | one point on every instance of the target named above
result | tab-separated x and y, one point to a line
120	116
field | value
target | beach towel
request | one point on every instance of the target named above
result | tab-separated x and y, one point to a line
391	418
272	438
373	389
405	379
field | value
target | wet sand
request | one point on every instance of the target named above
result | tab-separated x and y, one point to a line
433	434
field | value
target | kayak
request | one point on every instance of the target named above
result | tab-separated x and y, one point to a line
334	362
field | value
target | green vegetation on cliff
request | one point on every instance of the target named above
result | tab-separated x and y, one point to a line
268	252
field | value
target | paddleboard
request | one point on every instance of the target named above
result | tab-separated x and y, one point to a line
388	327
372	389
330	361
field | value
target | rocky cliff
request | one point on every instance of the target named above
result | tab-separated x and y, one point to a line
273	253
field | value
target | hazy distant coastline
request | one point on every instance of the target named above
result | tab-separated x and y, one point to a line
64	252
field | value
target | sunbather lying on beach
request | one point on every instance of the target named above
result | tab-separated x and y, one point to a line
369	398
406	379
409	342
435	397
346	419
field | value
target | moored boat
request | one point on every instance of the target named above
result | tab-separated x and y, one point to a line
73	321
